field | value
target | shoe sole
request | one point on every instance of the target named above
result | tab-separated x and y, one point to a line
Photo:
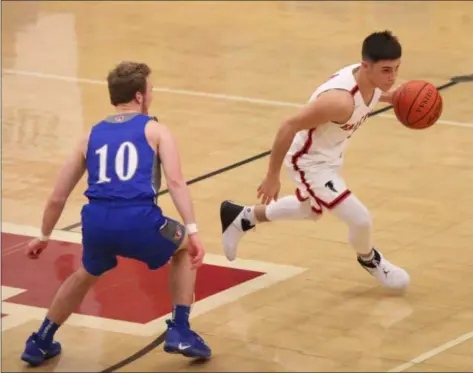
186	353
35	360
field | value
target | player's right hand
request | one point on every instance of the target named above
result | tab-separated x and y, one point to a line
196	250
35	248
269	189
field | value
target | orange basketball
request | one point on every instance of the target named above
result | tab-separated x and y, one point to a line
417	104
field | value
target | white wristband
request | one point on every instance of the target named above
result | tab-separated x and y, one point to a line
43	237
191	228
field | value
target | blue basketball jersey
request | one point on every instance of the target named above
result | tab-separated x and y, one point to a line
121	164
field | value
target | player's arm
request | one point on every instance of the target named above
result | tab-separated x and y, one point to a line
386	97
334	105
162	139
69	176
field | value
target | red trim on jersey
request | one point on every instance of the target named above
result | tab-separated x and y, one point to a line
317	211
354	90
304	150
299	197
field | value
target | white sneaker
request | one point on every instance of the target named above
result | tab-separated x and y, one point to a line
234	227
388	274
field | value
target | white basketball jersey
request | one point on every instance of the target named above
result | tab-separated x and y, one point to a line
323	146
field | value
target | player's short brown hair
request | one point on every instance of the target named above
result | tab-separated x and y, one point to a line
125	80
381	46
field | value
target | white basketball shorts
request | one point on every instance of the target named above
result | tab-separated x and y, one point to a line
324	187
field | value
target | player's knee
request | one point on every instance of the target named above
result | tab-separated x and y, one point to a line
353	213
181	255
363	220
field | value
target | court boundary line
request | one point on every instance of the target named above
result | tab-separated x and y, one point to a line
272	274
432	353
184	92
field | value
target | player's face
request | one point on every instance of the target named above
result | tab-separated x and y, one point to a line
383	74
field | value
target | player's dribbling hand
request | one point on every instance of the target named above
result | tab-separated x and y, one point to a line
35	248
269	189
196	250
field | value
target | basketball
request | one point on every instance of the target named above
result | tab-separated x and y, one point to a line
417	104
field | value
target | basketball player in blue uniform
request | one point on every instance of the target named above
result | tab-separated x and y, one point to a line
123	155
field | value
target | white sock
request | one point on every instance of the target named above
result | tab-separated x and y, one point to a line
249	213
367	257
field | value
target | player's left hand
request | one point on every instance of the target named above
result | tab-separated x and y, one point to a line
269	189
35	248
196	250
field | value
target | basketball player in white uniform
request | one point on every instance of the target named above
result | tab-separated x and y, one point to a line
311	146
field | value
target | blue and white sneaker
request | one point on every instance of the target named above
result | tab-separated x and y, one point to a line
34	355
184	341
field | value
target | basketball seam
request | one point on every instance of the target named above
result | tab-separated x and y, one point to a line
413	101
432	107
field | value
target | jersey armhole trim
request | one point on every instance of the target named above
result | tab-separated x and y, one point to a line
155	151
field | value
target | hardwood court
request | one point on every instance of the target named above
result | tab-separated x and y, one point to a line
226	74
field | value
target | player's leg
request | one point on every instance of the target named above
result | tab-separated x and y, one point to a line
41	345
180	338
70	296
182	284
237	219
332	193
156	246
96	261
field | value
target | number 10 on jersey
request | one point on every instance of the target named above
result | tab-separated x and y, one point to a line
125	149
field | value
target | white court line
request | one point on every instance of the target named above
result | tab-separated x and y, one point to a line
434	352
273	273
13	249
218	96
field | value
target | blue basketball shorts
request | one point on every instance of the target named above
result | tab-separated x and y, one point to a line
130	231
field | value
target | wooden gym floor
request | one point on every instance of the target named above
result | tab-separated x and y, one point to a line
226	74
